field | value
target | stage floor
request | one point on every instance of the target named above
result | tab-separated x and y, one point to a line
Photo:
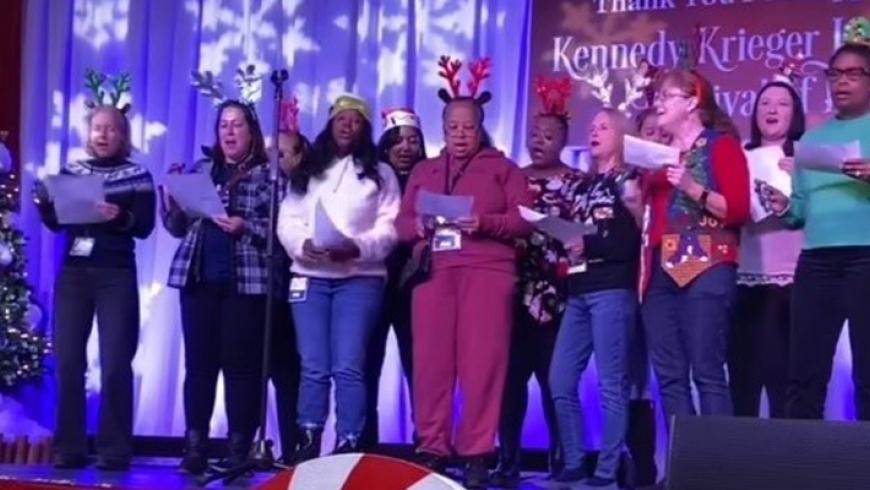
160	474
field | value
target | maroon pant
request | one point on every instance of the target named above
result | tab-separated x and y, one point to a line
461	332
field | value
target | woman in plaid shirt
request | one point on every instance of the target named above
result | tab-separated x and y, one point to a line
220	268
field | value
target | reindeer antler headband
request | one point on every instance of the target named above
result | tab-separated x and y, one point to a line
554	94
449	71
249	83
857	31
118	86
637	84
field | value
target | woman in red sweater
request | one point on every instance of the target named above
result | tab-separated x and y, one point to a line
698	205
462	313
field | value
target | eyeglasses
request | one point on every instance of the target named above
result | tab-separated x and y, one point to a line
850	74
661	97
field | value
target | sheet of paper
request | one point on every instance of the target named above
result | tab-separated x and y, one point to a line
647	154
825	158
446	206
764	166
195	194
563	230
326	235
75	198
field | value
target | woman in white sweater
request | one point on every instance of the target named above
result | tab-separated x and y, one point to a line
337	225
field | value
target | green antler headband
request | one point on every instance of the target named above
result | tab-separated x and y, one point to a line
117	86
857	31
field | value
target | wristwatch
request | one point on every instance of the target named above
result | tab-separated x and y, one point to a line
703	200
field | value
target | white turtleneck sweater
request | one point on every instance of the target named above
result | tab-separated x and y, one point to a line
358	209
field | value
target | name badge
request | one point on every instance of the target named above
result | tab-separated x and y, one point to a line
82	246
577	268
298	289
446	239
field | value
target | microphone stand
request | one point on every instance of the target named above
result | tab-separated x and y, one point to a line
261	457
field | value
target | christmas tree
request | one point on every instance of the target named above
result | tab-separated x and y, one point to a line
22	350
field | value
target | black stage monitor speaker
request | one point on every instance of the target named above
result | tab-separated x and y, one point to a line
735	453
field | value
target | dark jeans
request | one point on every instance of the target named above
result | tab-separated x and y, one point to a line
223	331
758	349
687	333
112	294
531	353
396	313
831	285
285	375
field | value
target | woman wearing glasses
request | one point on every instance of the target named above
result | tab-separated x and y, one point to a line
698	206
832	281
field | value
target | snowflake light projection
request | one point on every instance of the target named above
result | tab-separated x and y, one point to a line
98	22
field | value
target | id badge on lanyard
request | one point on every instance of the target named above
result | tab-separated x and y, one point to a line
298	289
82	246
446	237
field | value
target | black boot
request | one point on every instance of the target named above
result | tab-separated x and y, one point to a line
641	441
476	472
195	459
507	471
239	450
309	444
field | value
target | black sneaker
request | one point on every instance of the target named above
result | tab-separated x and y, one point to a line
476	473
598	482
308	446
108	463
347	446
571	475
70	461
505	475
434	462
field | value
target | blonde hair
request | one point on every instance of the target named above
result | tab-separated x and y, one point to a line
124	125
623	125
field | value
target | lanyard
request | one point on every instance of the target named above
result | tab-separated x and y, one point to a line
450	184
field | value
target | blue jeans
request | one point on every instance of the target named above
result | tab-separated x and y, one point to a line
687	332
596	322
333	326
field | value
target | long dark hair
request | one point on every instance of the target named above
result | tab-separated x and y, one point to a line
257	151
324	151
795	129
391	138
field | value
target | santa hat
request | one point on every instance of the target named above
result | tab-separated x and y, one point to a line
394	118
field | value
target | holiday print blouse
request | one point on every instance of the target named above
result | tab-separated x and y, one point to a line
543	262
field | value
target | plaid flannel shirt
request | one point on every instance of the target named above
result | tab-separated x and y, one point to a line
249	200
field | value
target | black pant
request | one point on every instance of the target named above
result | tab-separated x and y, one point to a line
758	349
223	330
831	285
285	375
531	352
396	313
112	294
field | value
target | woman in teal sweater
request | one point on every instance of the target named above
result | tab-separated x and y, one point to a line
832	281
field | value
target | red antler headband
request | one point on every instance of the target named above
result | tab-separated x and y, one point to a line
449	71
554	94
